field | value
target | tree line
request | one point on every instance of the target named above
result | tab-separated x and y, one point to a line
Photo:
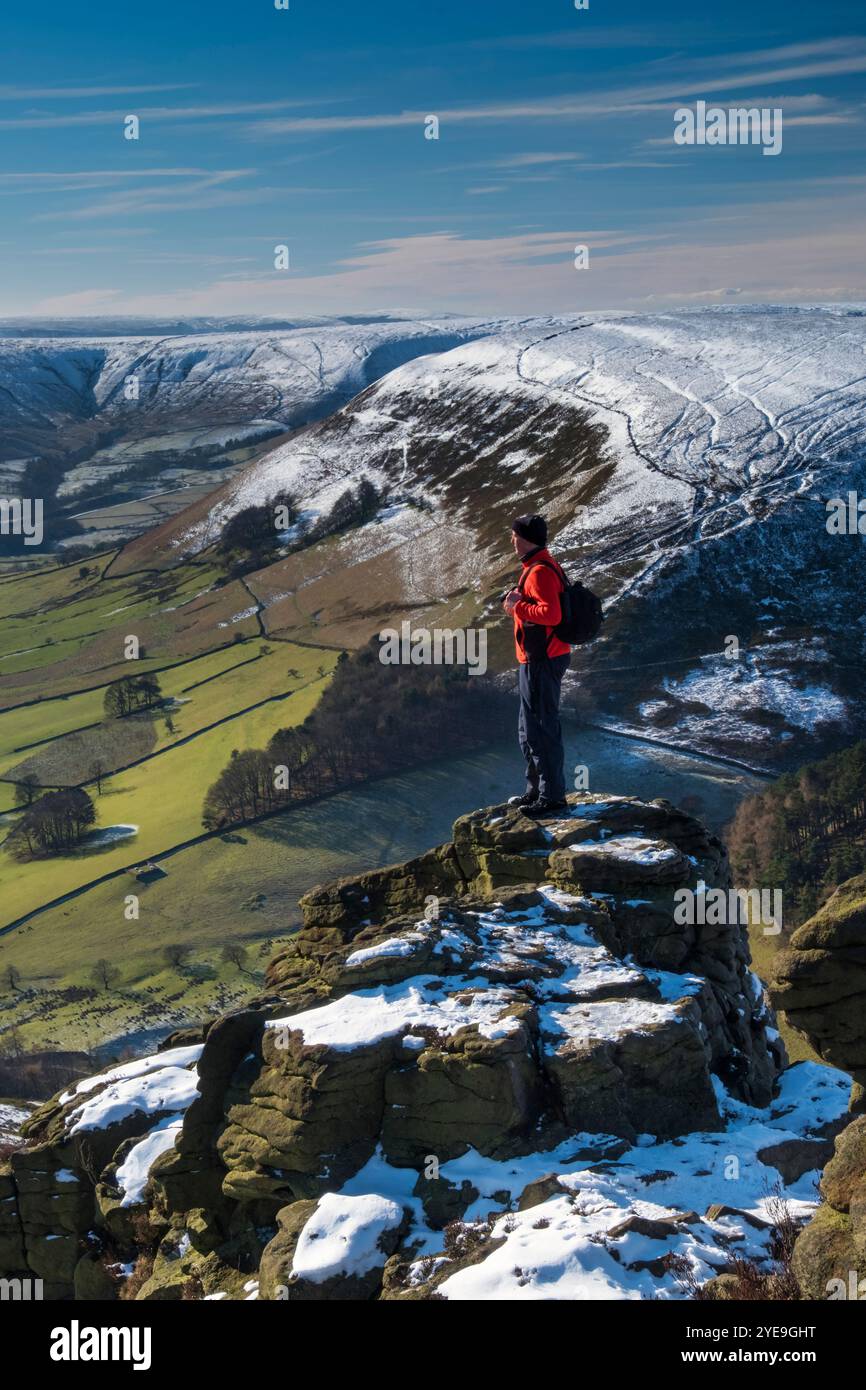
373	720
806	833
130	695
54	824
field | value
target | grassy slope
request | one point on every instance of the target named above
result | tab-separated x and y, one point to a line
232	888
245	675
60	632
67	635
164	795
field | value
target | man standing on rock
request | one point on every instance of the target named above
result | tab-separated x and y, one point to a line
535	607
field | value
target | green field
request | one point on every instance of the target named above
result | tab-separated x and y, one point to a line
163	796
43	586
224	687
256	676
85	615
61	633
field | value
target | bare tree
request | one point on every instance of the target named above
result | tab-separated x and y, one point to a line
233	953
26	789
53	824
176	955
12	977
104	974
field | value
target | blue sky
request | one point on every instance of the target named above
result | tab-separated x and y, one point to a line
305	127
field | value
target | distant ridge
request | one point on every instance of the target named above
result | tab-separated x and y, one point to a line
119	326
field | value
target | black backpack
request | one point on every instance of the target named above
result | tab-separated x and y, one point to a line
582	614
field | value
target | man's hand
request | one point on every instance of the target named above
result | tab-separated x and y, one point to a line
511	600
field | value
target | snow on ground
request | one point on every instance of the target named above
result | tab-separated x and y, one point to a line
568	1247
240	617
672	986
369	1016
131	1177
171	1088
714	418
12	1117
109	835
609	1019
173	1057
633	847
166	1081
512	939
590	810
561	1249
734	688
342	1236
503	941
286	369
395	946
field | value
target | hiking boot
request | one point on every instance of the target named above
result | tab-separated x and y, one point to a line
521	802
545	807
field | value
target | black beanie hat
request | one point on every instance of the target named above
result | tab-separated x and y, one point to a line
531	528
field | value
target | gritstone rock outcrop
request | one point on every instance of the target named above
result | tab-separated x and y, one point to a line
820	983
522	986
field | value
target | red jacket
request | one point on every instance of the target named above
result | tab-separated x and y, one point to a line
540	603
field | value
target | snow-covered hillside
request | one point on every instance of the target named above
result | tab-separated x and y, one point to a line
685	460
727	410
287	377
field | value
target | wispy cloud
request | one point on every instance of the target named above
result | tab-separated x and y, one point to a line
813	110
851	118
531	138
692	261
28	182
611	102
583	36
54	121
789	52
18	93
521	161
89	301
199	195
202	190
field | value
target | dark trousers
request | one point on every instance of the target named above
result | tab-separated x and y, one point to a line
538	726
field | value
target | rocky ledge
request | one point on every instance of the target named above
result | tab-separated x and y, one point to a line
502	1069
